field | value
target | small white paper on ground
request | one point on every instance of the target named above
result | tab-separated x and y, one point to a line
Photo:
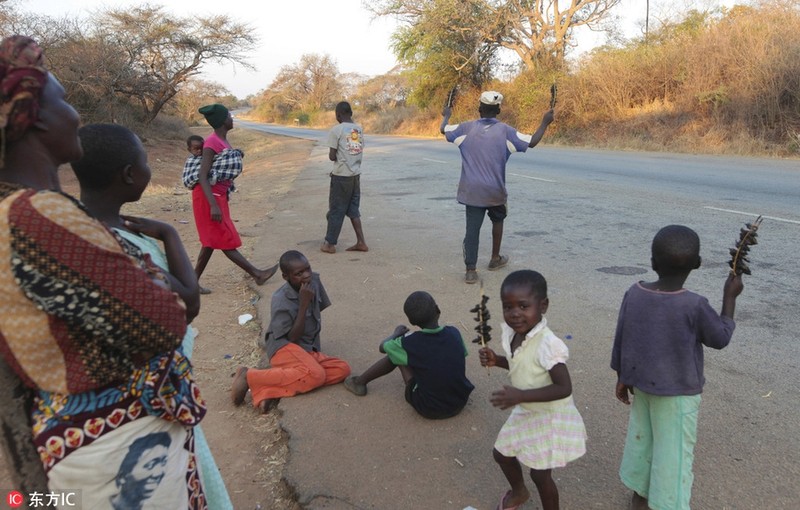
245	318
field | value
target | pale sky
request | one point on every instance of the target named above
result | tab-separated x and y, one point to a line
289	29
286	30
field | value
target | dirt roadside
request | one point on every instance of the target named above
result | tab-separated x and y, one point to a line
249	448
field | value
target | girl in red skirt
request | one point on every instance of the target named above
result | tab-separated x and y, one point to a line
210	203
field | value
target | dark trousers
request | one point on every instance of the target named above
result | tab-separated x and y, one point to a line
343	200
475	217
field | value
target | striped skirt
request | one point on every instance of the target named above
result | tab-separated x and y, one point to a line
543	439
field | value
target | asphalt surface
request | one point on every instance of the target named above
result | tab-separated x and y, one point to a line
584	219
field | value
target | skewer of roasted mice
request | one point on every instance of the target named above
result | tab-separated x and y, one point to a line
482	318
747	237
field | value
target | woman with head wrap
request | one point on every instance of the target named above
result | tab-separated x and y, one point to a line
210	202
87	324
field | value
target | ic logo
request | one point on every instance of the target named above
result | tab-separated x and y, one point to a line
15	499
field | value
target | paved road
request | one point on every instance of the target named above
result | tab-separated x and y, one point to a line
585	219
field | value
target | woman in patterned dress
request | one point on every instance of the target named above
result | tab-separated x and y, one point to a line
88	327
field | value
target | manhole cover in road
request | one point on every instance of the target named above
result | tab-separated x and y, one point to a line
627	270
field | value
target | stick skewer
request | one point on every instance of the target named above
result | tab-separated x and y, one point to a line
451	97
482	318
747	237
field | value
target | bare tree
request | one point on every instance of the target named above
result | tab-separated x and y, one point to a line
162	52
441	44
383	92
539	31
312	83
195	94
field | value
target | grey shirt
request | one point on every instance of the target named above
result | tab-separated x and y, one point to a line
283	311
658	346
348	140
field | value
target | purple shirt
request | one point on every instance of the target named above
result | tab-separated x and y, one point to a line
658	346
485	145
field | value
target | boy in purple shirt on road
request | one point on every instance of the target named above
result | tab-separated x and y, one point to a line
485	146
658	350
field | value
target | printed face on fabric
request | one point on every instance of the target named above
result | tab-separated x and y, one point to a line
522	309
149	471
298	273
141	471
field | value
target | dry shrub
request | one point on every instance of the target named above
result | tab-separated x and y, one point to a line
323	120
405	119
727	84
166	127
158	189
426	124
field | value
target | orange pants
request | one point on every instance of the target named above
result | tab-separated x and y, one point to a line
293	371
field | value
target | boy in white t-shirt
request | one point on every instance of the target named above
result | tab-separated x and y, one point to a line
346	143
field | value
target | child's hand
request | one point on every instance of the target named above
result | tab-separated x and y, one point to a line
509	396
400	330
623	391
306	294
733	286
153	228
488	357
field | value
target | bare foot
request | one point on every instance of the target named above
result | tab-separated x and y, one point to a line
511	500
327	247
267	405
358	247
239	387
266	274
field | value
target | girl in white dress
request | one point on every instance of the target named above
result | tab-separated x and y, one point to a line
544	430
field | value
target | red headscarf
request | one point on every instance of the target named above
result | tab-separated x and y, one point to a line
22	78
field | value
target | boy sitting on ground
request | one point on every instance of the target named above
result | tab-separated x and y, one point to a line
431	362
292	341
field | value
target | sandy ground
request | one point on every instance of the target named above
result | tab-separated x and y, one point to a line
353	453
249	448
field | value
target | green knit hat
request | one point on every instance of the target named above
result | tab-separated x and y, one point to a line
215	114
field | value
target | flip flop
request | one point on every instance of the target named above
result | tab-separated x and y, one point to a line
494	265
503	498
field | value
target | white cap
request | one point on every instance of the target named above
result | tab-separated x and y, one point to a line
491	97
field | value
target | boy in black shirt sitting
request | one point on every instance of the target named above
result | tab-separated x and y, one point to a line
431	362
